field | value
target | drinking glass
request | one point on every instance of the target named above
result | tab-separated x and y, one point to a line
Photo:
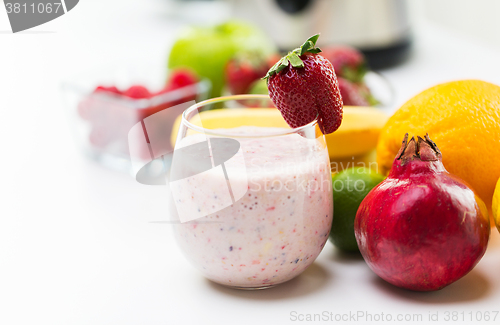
251	197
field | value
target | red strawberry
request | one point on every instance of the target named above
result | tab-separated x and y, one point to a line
303	86
351	93
137	92
243	71
348	62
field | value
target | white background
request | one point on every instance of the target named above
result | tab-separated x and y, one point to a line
77	245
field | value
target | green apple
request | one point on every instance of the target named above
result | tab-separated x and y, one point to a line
259	87
206	50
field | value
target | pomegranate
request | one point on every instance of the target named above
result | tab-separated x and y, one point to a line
421	228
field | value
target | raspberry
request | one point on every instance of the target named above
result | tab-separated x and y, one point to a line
181	78
137	92
111	89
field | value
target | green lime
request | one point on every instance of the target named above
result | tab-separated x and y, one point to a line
350	187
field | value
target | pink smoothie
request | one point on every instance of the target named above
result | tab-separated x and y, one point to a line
280	225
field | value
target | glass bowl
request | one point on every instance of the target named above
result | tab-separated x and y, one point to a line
101	120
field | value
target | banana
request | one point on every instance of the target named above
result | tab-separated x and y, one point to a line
357	135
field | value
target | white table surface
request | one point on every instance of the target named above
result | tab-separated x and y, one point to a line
77	245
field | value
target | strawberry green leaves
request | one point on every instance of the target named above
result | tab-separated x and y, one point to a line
295	60
309	45
293	57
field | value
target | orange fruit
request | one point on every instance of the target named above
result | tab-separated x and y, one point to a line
496	205
463	118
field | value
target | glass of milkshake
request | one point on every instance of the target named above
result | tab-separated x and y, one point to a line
251	197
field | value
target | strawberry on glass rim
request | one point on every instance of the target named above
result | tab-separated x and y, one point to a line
303	86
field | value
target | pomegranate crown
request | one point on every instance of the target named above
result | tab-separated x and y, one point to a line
421	149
